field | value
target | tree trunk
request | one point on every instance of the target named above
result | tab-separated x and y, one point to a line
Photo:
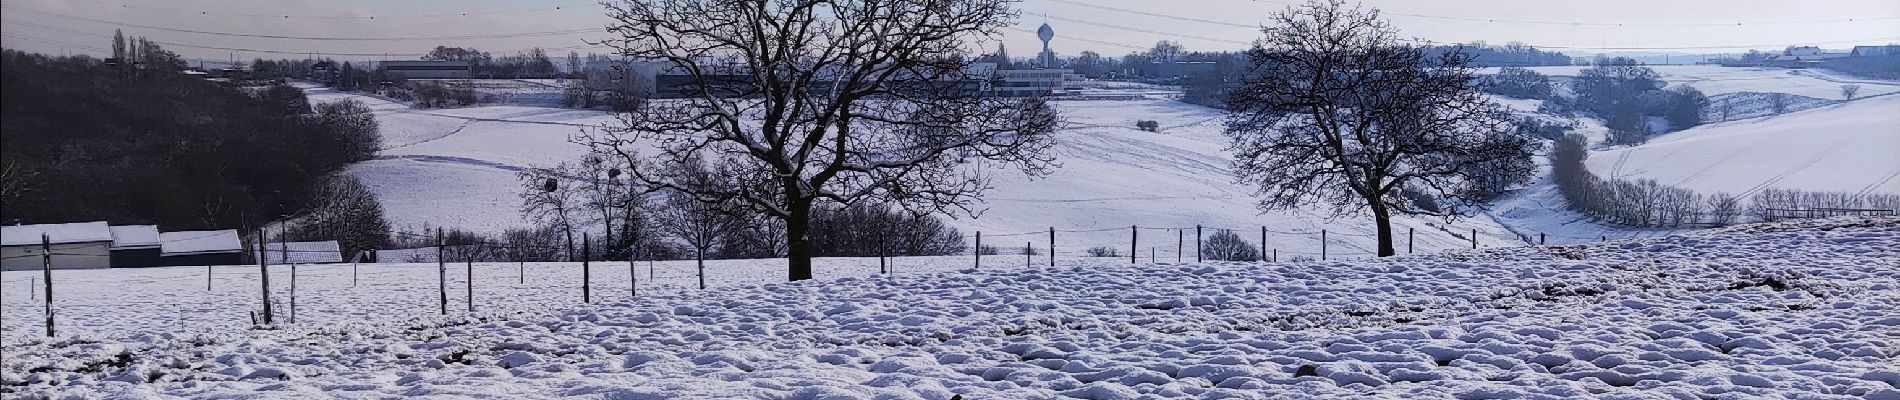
702	267
1383	218
797	242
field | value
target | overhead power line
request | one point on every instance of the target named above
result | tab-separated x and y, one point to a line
1609	24
1134	29
334	17
1084	40
323	38
50	41
1426	41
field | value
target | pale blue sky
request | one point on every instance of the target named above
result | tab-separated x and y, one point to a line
1073	20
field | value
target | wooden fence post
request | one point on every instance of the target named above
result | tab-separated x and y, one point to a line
882	267
470	266
1134	242
1474	238
1540	238
1052	246
441	272
1263	243
1026	255
263	268
1408	239
1322	245
587	289
46	268
979	250
208	278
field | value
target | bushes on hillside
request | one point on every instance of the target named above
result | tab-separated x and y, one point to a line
859	231
1622	93
437	94
1519	82
1225	245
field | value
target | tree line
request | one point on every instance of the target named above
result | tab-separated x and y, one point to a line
133	140
1619	90
638	221
1646	203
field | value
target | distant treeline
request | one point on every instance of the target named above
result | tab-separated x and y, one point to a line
1208	85
138	141
1646	203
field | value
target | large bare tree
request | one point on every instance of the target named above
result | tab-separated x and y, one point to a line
798	102
1338	110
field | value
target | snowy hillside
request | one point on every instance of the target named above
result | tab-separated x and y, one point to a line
1826	145
456	167
1852	147
1715	81
1728	313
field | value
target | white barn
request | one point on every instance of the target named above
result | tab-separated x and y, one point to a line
201	248
303	252
76	245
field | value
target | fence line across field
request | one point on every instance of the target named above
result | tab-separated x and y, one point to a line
1033	249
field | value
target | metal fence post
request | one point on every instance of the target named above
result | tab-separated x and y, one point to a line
441	272
587	289
46	268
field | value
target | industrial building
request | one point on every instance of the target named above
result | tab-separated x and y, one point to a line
135	246
201	248
429	69
77	245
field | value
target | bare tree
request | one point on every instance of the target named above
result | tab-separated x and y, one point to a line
1339	110
846	101
345	211
702	222
602	189
1723	209
1225	245
1778	103
1849	91
16	180
550	200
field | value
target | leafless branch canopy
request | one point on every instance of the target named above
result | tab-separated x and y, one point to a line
842	100
1339	110
796	102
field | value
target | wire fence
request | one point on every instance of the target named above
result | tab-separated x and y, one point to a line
337	292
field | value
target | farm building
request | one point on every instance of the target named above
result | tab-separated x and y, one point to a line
74	245
428	69
303	252
201	248
135	246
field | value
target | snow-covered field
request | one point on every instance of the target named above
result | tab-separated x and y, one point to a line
1718	80
456	168
1806	309
1853	147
